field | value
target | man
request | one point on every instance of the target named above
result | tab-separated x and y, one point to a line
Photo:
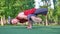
30	16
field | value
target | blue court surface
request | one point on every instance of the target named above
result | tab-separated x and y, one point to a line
34	30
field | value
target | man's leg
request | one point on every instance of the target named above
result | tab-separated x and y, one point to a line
36	19
30	22
42	11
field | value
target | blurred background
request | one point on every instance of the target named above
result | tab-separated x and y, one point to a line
10	8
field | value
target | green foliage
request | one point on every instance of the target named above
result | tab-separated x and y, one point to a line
54	15
13	7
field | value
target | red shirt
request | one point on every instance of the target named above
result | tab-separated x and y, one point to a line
21	20
30	11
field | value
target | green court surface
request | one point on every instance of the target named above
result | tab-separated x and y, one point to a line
34	30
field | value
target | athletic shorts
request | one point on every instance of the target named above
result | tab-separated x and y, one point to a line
42	11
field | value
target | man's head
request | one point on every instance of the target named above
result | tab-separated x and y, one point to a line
14	21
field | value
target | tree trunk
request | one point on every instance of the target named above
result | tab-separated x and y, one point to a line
46	21
2	21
